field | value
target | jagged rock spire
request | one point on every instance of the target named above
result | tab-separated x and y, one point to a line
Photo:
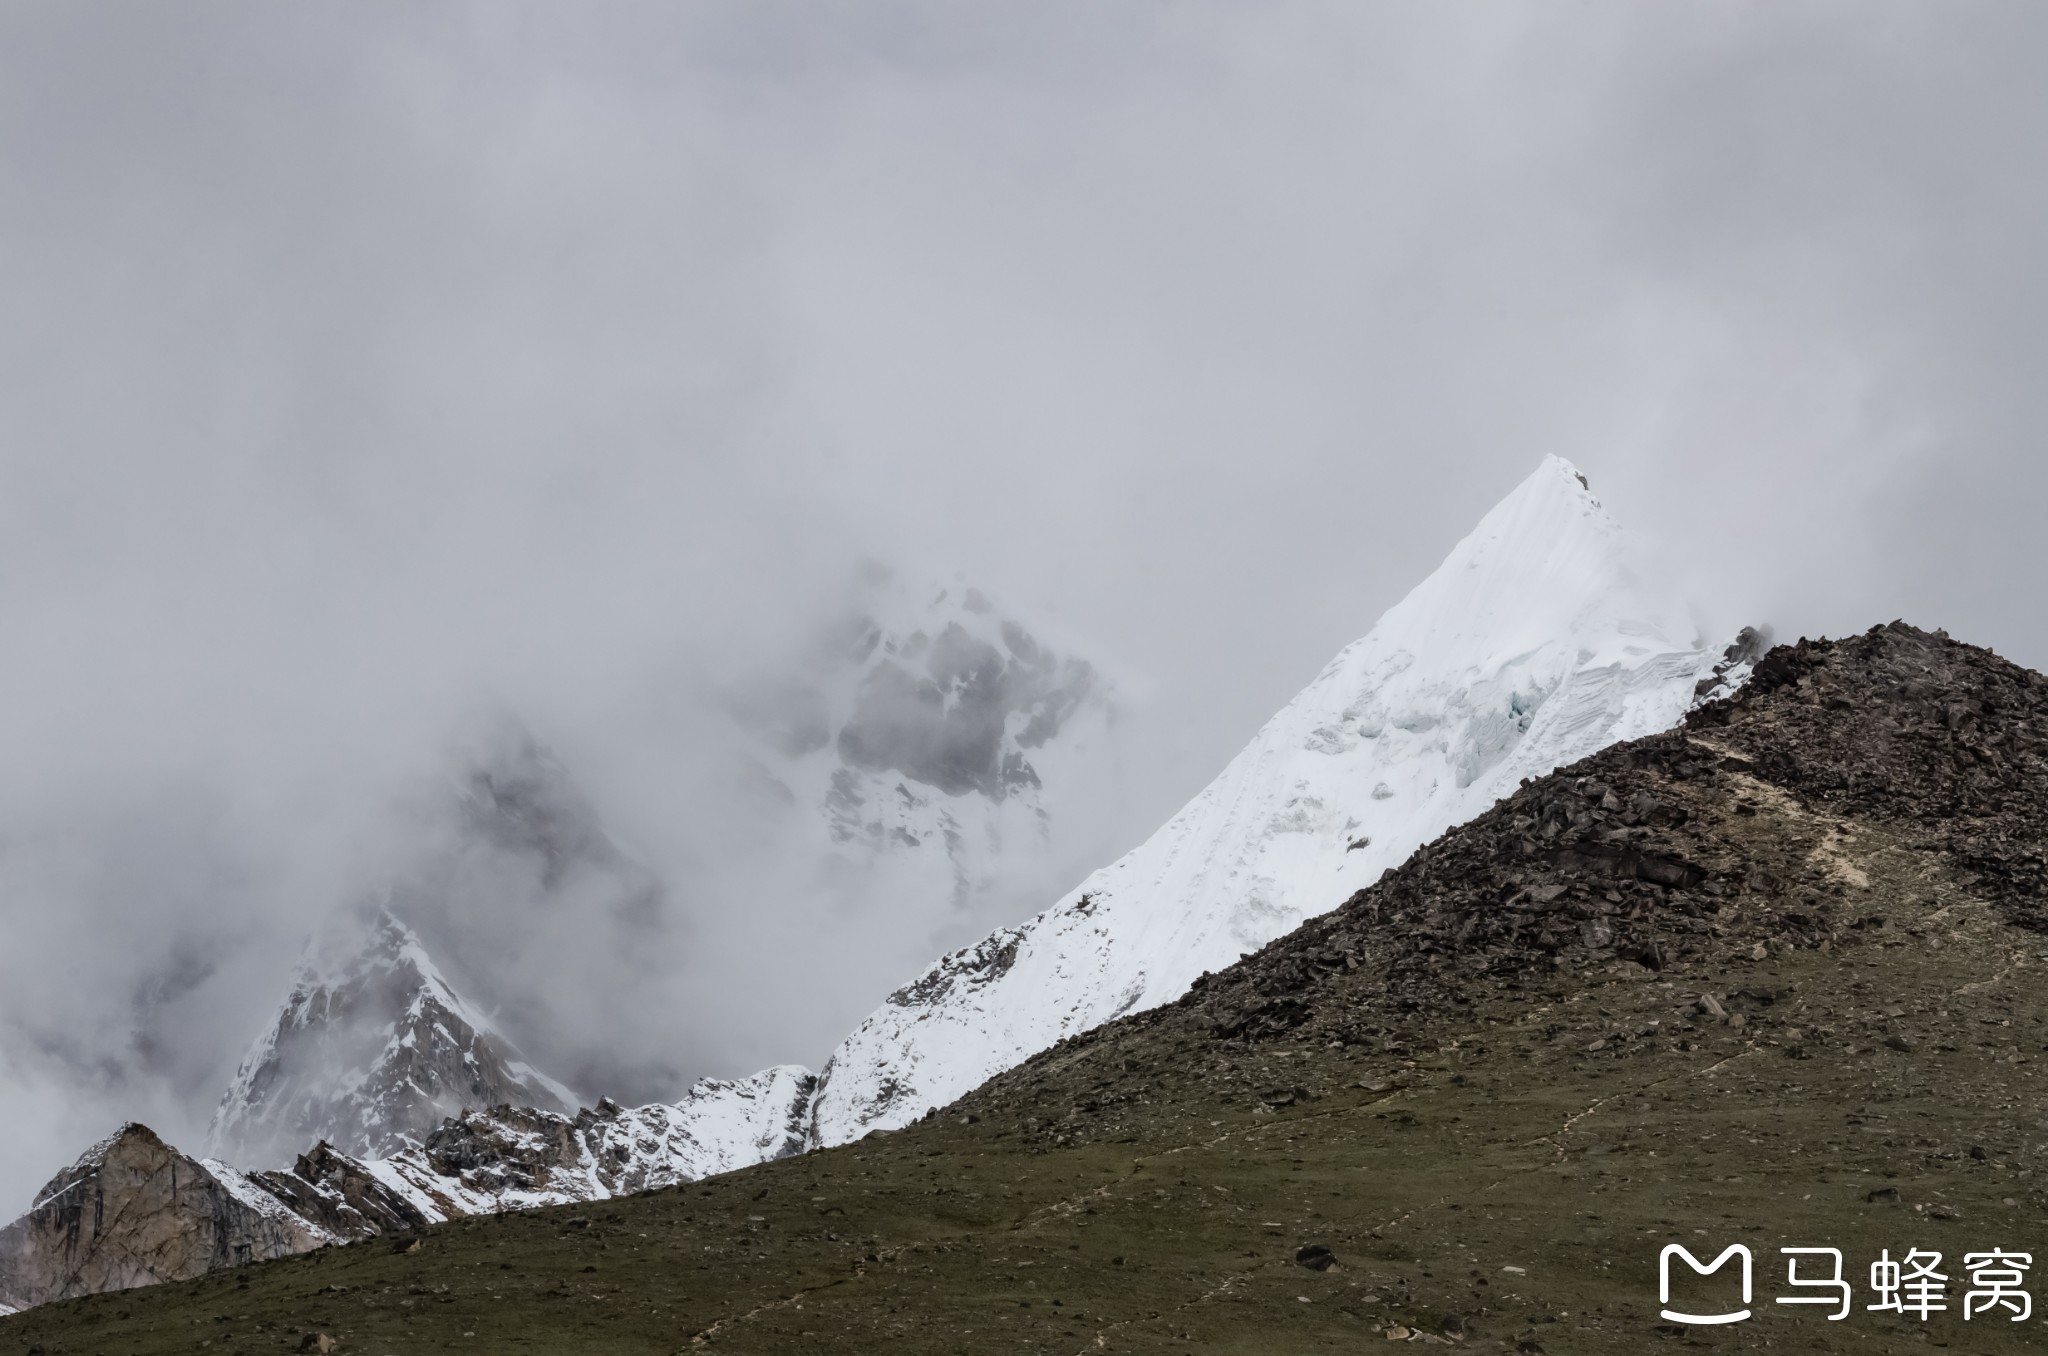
371	1051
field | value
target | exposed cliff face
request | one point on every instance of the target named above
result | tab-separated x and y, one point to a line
338	1196
372	1051
134	1211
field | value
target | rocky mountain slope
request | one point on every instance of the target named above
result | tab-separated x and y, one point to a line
1768	978
1535	643
133	1211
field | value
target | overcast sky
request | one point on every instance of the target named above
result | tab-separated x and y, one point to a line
358	358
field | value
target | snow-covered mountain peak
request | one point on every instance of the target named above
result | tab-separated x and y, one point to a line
371	1050
1545	563
1535	643
367	946
930	746
931	685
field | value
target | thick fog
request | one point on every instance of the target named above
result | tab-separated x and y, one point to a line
370	371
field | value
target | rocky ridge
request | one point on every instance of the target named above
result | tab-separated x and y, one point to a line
514	1158
1742	836
134	1211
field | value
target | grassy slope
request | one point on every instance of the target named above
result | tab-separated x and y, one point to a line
1145	1189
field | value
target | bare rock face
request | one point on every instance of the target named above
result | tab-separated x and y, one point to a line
508	1158
372	1050
134	1211
341	1196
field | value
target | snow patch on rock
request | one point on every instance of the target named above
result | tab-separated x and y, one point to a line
516	1158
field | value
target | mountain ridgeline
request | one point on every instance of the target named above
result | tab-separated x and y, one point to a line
1769	977
373	1047
1534	643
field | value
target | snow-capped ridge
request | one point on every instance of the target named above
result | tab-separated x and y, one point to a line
517	1158
1538	641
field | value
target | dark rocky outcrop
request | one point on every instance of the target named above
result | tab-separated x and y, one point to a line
134	1211
337	1194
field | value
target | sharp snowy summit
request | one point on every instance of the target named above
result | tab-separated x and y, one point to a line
1536	642
371	1051
407	1010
